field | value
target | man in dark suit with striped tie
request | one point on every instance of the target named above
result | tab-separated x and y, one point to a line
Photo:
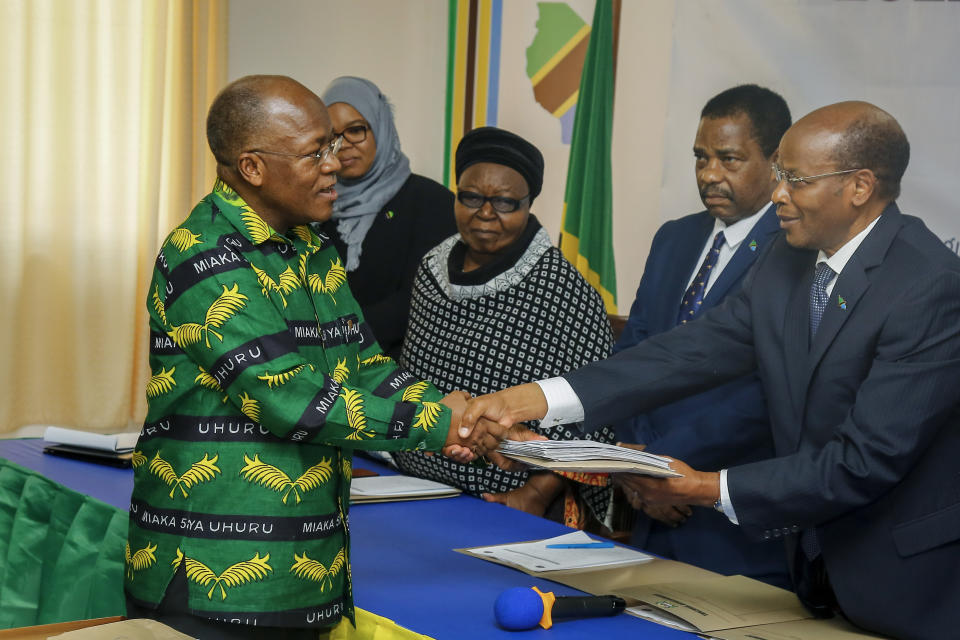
693	264
860	362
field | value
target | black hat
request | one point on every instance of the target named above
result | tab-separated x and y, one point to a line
490	144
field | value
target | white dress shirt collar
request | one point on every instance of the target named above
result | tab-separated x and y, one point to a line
735	233
839	259
733	237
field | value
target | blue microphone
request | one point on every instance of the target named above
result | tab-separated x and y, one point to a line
519	608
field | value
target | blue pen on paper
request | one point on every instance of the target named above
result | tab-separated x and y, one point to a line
582	545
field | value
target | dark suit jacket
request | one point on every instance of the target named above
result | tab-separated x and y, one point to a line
865	420
723	427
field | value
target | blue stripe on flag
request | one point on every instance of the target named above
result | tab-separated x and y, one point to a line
493	82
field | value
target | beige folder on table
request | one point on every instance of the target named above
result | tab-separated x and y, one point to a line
725	607
833	629
725	602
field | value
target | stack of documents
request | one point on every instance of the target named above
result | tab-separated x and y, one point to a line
586	456
114	449
394	488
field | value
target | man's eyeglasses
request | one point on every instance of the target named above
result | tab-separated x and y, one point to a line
355	134
322	155
789	178
500	204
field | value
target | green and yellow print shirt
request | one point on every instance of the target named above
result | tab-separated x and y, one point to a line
264	379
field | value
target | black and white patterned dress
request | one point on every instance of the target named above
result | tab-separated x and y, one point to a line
532	318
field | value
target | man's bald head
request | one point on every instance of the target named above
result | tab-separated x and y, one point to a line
241	113
863	136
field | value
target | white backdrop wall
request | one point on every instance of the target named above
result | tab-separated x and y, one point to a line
901	56
674	55
401	45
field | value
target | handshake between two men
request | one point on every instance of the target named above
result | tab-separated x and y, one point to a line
481	436
487	420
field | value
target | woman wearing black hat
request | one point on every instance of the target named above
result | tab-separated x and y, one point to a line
496	305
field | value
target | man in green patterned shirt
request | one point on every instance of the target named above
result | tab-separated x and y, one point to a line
264	379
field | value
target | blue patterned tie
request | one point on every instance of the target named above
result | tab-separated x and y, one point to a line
818	295
693	298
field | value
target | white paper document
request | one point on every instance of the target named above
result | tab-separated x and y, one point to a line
398	487
536	556
586	456
118	442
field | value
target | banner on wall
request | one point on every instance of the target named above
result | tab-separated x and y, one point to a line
518	66
587	237
899	55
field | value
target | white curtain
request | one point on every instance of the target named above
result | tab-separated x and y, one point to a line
102	151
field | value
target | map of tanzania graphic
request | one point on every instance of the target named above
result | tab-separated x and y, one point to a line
555	61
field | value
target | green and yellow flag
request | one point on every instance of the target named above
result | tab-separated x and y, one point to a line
587	229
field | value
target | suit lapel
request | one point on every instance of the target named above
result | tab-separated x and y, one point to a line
796	335
741	261
850	286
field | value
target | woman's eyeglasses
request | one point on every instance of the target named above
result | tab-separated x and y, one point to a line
500	204
355	134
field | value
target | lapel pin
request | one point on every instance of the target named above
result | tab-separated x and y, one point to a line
841	302
753	245
390	215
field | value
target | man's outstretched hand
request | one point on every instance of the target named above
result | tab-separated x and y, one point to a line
700	488
466	445
507	407
672	515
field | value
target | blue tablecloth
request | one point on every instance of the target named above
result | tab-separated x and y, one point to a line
402	560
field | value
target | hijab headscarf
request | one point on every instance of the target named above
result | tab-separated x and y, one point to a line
359	201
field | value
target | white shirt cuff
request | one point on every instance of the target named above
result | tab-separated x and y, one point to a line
563	404
725	504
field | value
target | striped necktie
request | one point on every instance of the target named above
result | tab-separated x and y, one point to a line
692	302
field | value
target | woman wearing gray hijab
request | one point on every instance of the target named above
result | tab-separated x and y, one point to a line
385	218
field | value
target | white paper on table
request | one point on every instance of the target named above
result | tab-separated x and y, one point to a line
535	556
119	442
397	486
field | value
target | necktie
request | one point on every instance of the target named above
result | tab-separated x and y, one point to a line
818	295
693	298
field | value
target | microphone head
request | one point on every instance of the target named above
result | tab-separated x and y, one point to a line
518	608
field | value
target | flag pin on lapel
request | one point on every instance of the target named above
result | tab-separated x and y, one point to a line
390	215
841	302
753	245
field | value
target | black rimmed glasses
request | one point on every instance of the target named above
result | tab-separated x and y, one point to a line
500	204
355	134
323	154
785	176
